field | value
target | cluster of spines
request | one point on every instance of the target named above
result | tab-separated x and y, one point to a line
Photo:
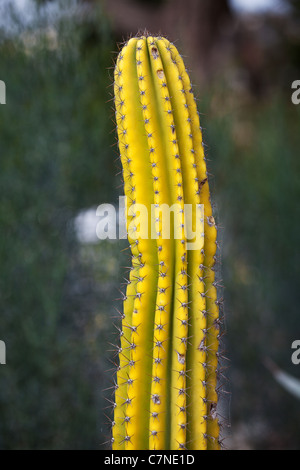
185	300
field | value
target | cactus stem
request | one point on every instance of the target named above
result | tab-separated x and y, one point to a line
169	346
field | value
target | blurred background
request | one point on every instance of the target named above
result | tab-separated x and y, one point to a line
60	286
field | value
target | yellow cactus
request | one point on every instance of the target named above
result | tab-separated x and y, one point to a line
165	396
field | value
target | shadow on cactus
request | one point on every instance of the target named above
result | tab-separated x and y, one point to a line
166	394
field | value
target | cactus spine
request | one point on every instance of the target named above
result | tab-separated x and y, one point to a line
165	395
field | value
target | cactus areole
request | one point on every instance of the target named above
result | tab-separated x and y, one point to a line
166	390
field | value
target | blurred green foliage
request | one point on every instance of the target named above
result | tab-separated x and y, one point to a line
56	158
254	151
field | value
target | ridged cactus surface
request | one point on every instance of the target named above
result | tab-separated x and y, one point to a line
166	389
